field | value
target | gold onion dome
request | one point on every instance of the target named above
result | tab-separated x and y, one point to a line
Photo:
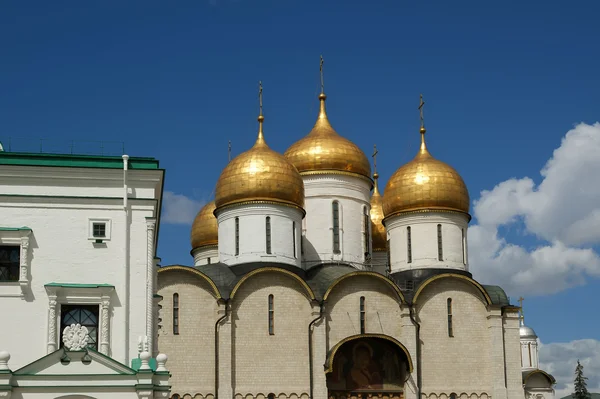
205	229
425	183
324	150
260	175
379	237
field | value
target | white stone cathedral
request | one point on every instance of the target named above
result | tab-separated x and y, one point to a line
306	283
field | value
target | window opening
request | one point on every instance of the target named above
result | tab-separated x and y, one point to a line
409	245
362	315
84	315
271	316
439	241
268	233
175	314
10	261
450	330
237	236
336	227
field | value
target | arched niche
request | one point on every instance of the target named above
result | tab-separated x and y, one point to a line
368	364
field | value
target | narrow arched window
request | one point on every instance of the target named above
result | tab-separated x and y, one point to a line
464	251
268	233
408	245
439	240
176	314
452	396
237	236
529	350
362	315
366	235
208	260
335	207
450	330
271	396
271	316
389	260
294	239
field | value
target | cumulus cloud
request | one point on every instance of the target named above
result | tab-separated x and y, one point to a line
562	212
560	359
179	209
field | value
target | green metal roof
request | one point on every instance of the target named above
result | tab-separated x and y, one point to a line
24	228
75	161
497	295
76	285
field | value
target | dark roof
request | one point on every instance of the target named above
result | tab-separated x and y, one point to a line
526	374
321	277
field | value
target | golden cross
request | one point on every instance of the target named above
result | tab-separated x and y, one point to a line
421	110
229	151
260	97
321	71
375	152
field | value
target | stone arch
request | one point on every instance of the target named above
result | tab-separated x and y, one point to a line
195	272
549	377
309	292
367	361
75	397
469	280
381	277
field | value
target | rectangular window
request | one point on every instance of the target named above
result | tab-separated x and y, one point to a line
409	246
450	330
99	230
389	259
175	314
237	236
10	260
366	227
362	315
439	242
464	253
294	239
84	315
335	207
271	316
268	233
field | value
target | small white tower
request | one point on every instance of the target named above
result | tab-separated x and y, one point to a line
337	182
259	201
426	208
205	236
529	344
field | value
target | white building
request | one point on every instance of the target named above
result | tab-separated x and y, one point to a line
77	263
377	302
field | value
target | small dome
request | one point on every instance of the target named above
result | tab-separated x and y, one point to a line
205	229
425	183
379	237
527	332
324	150
260	174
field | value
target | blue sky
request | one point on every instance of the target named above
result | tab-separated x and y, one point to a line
503	82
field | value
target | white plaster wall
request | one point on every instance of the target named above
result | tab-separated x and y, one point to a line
258	356
285	241
206	255
529	354
353	194
424	241
379	261
60	252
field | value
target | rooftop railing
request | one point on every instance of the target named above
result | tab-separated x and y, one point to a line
62	146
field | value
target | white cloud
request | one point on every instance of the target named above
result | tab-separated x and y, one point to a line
179	209
560	359
563	212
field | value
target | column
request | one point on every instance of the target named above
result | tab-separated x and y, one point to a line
52	320
24	265
105	325
409	340
496	359
150	228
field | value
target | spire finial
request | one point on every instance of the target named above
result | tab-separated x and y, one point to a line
321	72
261	118
521	299
375	174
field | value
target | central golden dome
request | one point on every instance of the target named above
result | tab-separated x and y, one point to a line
260	174
323	149
425	183
205	230
379	236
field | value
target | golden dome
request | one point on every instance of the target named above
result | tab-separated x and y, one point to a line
379	236
260	174
425	183
323	149
205	228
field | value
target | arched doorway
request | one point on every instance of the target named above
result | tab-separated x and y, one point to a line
367	365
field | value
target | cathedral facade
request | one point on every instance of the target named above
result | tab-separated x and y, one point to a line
308	282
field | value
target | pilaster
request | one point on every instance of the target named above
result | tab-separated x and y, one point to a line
512	348
52	320
105	325
319	354
150	271
225	336
496	356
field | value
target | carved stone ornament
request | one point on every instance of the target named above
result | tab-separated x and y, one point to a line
75	337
